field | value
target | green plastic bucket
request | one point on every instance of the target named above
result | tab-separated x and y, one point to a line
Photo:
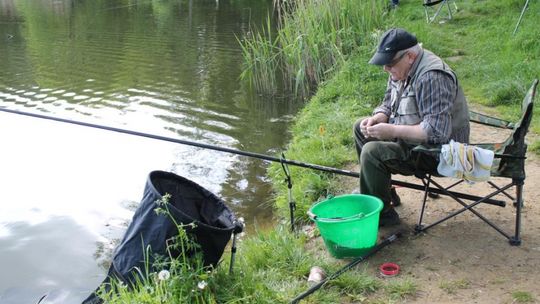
348	223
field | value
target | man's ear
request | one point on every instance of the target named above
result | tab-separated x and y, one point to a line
411	57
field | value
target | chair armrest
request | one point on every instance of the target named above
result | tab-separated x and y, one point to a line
422	151
490	121
427	149
431	2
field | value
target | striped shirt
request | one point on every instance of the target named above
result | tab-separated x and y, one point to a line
435	94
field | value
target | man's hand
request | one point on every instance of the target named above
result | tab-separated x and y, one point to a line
366	123
371	121
386	131
382	131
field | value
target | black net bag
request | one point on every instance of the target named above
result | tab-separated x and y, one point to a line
189	203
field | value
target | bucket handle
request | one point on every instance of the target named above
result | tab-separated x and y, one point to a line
314	217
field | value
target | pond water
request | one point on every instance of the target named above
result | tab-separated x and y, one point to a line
166	67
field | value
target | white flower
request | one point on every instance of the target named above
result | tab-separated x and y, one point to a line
202	284
164	275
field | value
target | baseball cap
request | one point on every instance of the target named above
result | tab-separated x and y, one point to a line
392	41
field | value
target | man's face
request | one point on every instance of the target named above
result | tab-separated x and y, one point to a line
400	66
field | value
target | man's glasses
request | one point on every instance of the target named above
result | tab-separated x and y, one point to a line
395	60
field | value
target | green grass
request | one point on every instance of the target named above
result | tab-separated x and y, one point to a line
311	44
273	268
401	289
270	267
494	67
451	287
522	297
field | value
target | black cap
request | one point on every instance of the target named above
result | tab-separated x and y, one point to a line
392	41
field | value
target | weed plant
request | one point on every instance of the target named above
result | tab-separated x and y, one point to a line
451	287
272	267
313	41
401	289
522	297
182	276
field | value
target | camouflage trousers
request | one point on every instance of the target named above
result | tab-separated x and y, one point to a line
380	159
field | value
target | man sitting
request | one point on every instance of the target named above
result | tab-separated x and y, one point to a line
423	104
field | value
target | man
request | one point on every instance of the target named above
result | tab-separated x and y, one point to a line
423	104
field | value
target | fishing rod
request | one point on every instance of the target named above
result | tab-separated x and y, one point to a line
521	16
281	160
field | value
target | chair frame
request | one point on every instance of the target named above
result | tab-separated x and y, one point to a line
429	4
509	155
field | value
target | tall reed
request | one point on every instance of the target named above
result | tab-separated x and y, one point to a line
313	39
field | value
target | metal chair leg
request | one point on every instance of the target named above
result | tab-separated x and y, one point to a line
419	227
516	239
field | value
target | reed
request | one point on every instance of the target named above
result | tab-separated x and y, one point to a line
260	52
313	40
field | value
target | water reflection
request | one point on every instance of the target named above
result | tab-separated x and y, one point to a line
47	249
165	67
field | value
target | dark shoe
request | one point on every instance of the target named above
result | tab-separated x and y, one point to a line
394	197
389	218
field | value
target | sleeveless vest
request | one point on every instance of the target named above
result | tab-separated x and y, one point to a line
405	107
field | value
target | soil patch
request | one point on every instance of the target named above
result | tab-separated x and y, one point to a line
463	260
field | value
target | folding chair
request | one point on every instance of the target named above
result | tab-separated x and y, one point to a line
435	6
509	163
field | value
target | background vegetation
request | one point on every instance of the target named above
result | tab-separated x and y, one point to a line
495	68
312	43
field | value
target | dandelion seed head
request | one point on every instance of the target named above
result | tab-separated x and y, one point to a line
202	284
164	275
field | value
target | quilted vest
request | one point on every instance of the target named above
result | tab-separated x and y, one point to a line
405	107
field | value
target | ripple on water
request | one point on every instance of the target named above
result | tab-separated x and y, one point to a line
80	97
220	124
94	99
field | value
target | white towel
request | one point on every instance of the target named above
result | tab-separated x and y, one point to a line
473	164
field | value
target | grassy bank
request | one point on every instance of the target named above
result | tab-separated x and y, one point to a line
270	267
494	67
